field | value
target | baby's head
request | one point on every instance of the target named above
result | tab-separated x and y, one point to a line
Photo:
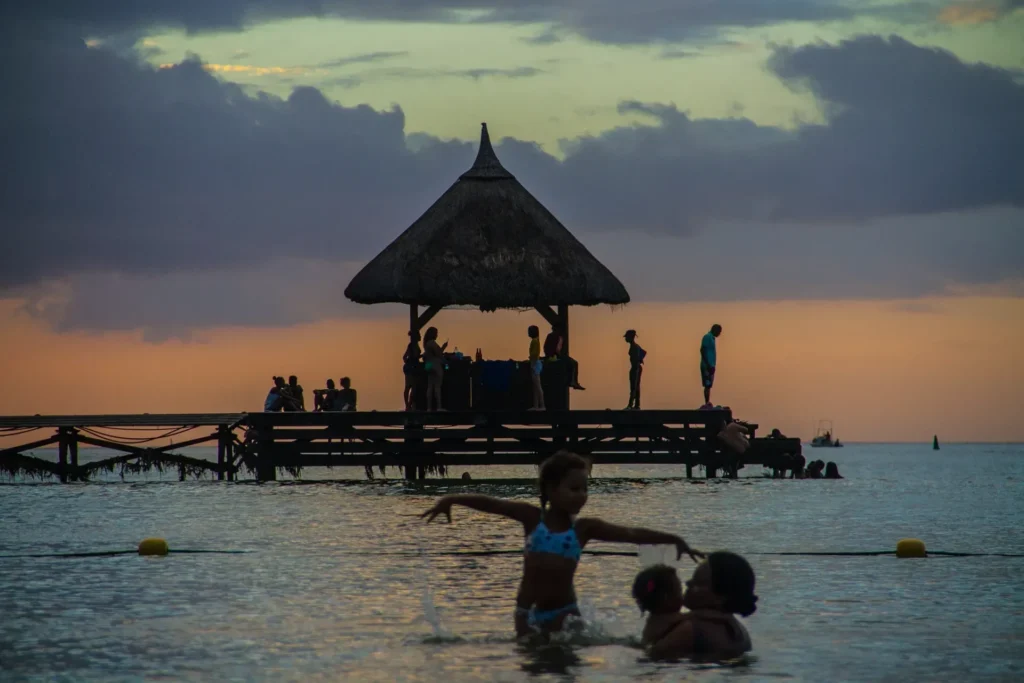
563	482
657	590
724	582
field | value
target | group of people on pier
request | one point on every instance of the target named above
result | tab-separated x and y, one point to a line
433	355
290	397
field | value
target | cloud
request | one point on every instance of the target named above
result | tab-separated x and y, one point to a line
361	59
977	11
546	37
611	21
163	175
414	73
248	69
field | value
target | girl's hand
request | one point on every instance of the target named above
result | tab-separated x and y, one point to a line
683	547
442	506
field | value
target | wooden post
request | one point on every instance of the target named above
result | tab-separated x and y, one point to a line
265	470
73	446
689	471
563	320
223	446
414	317
62	453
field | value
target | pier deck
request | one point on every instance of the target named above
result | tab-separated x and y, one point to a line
264	443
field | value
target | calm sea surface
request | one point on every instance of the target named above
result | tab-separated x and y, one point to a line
341	583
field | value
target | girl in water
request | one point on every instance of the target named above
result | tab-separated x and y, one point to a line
555	539
720	588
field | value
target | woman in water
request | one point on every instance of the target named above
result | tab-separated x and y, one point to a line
720	588
555	539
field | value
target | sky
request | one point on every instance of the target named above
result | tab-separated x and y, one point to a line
190	186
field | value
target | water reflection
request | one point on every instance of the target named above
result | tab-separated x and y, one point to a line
334	585
551	658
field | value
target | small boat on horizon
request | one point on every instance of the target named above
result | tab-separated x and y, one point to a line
823	437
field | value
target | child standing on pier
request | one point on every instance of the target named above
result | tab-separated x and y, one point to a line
555	539
636	369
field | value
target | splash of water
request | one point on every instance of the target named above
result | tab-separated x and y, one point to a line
432	617
649	555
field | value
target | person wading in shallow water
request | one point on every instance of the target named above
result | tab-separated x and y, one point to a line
555	538
708	361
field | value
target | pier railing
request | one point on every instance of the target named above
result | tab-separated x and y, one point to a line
420	443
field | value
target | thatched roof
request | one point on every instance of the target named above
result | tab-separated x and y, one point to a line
486	242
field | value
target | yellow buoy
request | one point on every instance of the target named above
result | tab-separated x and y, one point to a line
153	546
910	547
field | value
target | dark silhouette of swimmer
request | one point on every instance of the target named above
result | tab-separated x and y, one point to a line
832	471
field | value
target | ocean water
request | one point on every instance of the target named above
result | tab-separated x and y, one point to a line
341	582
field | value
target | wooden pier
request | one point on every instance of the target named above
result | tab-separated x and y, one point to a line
262	444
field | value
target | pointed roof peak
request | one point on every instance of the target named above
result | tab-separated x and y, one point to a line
486	166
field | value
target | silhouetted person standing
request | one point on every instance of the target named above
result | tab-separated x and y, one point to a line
410	366
636	369
709	361
433	363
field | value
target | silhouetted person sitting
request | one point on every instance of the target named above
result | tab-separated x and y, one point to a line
346	400
832	471
275	397
293	399
554	347
776	434
324	399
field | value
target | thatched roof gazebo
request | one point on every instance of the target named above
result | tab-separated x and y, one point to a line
487	242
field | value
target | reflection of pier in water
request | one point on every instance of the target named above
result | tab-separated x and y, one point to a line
258	445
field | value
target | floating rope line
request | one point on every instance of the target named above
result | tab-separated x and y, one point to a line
133	551
488	553
626	553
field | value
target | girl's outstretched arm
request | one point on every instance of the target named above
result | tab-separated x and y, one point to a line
528	515
598	530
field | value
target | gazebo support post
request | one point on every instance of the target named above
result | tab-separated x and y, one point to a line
417	323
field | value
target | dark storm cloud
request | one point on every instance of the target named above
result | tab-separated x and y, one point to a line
112	166
613	21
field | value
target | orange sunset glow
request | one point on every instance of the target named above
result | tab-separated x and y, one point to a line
883	371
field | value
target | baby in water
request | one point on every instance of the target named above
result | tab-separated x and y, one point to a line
721	587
